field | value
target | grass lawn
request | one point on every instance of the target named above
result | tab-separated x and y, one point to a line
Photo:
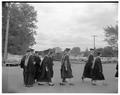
12	81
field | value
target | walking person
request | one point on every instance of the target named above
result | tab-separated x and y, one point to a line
116	74
46	69
50	66
88	66
97	70
66	71
37	60
27	63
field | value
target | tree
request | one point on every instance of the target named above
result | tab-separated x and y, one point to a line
75	51
57	50
86	53
107	51
111	34
99	49
22	27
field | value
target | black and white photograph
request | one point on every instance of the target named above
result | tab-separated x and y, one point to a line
59	46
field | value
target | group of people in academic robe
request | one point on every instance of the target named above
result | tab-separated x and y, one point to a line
93	68
36	70
42	71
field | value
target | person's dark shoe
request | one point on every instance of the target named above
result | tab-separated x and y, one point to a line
30	85
50	84
94	84
40	84
26	85
62	83
82	78
71	84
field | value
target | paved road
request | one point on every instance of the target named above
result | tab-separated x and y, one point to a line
13	81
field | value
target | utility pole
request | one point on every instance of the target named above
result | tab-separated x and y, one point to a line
94	41
7	32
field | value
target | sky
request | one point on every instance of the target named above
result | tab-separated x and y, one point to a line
69	25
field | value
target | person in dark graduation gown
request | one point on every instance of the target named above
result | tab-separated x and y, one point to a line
97	70
50	64
27	63
46	69
66	71
116	74
37	60
88	65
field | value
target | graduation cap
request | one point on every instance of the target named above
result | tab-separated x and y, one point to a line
36	51
91	49
51	51
67	49
98	53
46	51
30	50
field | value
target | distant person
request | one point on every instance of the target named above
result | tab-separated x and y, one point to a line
97	70
88	66
66	71
116	74
46	69
37	60
27	63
